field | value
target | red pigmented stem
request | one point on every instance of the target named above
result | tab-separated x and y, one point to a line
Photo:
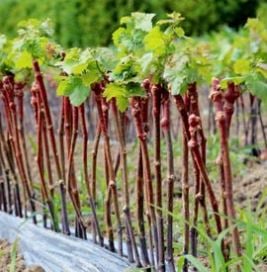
199	184
185	184
8	87
219	162
180	104
7	151
8	118
108	165
140	210
223	127
71	132
194	123
131	243
86	176
109	227
102	108
117	163
136	113
67	121
194	108
42	142
71	181
6	186
40	82
19	93
3	189
94	159
40	124
261	122
145	105
156	102
252	122
197	156
140	197
61	133
108	219
245	124
47	159
40	163
165	124
230	96
61	140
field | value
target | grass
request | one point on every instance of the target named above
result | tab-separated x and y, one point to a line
1	253
252	224
13	256
254	239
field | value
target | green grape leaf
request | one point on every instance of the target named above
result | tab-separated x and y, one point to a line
174	19
72	55
178	85
143	21
119	92
130	36
237	80
176	74
78	68
145	61
179	32
257	85
79	94
21	75
36	27
67	85
34	37
128	40
118	35
122	103
46	27
24	60
105	58
63	88
135	89
115	90
262	69
126	70
71	63
155	41
125	20
78	62
122	93
90	77
242	66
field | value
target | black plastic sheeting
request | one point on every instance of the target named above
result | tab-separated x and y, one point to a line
56	252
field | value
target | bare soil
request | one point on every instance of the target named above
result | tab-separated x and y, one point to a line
12	261
252	189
